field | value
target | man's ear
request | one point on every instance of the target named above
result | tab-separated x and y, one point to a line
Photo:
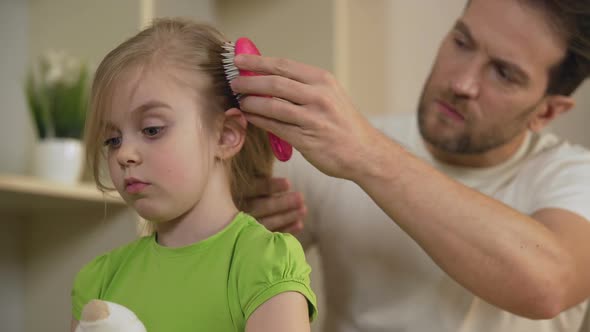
551	107
233	134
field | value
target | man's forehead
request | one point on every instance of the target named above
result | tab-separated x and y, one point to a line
514	30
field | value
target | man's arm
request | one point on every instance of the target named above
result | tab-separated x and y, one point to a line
286	312
534	266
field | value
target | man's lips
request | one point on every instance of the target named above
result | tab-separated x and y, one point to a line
449	110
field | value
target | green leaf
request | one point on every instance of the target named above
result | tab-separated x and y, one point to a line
59	109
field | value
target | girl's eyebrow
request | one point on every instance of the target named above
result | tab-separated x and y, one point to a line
145	107
150	105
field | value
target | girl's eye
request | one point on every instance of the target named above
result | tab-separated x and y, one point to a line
152	131
113	142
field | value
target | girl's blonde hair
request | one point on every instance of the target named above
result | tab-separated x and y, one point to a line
194	49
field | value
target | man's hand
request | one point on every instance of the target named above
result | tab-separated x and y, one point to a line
319	119
272	203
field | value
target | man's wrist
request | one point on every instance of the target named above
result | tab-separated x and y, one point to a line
381	161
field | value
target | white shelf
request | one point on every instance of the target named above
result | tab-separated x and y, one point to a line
26	195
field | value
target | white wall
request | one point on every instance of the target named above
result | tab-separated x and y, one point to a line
300	30
12	306
16	132
574	125
201	10
363	54
87	29
417	28
15	137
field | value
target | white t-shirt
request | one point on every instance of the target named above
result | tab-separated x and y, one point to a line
376	278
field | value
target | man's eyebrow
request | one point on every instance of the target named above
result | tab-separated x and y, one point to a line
520	73
464	29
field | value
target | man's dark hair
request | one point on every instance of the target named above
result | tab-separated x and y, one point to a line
571	19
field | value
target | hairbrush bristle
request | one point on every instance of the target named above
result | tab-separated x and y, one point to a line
231	71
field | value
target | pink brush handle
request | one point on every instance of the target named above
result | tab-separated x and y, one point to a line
281	149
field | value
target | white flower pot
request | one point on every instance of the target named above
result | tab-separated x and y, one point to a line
59	160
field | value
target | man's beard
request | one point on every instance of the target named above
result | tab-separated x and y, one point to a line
470	142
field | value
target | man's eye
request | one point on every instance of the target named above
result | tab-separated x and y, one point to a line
152	131
113	142
459	42
504	73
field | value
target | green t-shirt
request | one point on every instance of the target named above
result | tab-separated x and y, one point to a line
212	285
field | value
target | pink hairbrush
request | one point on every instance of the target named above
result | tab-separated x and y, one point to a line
281	149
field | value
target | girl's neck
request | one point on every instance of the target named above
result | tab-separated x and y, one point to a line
207	217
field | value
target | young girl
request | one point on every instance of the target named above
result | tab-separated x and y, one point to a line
179	153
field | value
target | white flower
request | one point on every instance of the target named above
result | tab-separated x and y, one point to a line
59	67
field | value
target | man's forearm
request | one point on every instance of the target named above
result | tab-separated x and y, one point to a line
491	249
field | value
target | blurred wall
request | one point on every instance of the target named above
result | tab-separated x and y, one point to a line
416	29
574	125
86	29
364	55
300	30
16	132
15	138
200	10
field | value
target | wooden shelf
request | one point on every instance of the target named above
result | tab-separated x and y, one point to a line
29	195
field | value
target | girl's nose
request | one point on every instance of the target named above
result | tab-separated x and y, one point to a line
128	155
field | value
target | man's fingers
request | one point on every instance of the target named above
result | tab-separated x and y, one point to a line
284	221
276	86
283	130
265	187
282	67
279	110
294	228
275	204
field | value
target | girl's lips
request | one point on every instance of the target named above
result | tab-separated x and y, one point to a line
135	187
448	110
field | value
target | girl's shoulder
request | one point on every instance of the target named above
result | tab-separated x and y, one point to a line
254	239
266	264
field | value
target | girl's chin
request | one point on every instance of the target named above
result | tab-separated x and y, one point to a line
158	210
155	215
152	213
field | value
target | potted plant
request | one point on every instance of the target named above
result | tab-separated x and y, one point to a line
57	96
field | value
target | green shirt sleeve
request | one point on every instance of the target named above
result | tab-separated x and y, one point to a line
87	285
270	264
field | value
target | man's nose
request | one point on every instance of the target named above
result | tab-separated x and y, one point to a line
466	82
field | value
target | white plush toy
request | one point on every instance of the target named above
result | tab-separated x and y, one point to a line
103	316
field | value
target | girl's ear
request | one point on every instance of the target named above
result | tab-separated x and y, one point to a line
233	134
552	107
